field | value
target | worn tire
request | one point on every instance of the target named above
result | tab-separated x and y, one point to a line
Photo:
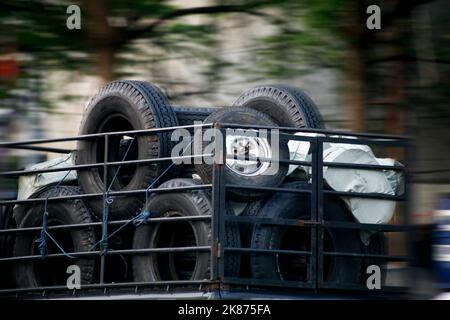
252	209
285	267
6	244
287	106
50	272
188	115
184	266
122	106
249	117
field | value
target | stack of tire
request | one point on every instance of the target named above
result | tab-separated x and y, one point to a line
136	105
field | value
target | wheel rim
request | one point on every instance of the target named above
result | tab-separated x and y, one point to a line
243	148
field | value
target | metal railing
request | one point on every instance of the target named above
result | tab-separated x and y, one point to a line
218	279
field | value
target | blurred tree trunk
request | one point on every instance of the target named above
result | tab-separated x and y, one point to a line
354	88
353	26
101	36
394	95
105	63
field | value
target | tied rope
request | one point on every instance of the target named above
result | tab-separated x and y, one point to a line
107	200
43	242
141	218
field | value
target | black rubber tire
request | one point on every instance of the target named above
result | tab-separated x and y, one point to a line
297	206
188	115
50	272
246	229
157	267
6	244
6	221
125	105
246	232
245	116
287	106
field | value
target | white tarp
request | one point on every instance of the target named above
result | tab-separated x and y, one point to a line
388	182
32	183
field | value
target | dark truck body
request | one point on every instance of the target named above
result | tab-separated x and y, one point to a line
219	285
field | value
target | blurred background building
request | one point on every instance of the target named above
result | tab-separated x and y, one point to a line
206	52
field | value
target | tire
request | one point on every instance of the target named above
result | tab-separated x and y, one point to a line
245	116
51	272
188	115
287	106
246	231
183	265
6	222
122	106
294	268
6	243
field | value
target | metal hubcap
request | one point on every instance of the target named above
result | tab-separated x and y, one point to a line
243	148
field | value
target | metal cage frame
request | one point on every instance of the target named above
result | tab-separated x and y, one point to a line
218	252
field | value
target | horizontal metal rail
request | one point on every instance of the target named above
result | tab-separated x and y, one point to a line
363	166
135	284
274	160
110	223
380	196
367	226
288	190
42	149
78	167
269	251
366	255
270	221
311	130
111	194
19	144
82	254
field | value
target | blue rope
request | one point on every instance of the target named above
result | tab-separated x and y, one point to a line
144	219
43	240
107	200
43	249
59	247
139	219
120	166
104	241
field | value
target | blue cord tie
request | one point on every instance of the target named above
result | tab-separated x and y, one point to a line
44	234
142	218
43	240
104	241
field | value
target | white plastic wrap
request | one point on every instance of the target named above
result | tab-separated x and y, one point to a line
32	183
388	182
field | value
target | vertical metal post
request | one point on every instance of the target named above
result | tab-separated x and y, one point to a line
319	212
313	216
218	199
105	205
